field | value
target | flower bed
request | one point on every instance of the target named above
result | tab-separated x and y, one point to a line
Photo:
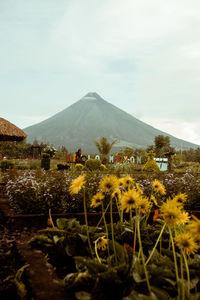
129	259
35	192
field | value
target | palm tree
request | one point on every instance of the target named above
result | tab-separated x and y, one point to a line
104	148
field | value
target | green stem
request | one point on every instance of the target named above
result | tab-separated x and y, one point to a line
112	230
142	255
139	253
154	248
106	228
119	212
131	219
175	260
122	216
96	252
86	222
182	278
160	244
102	216
188	274
134	240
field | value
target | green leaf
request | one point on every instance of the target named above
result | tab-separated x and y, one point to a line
40	240
194	282
160	293
120	251
136	296
92	265
67	224
74	245
137	277
82	295
110	275
69	279
83	237
56	238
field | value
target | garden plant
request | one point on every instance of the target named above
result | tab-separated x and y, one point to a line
150	252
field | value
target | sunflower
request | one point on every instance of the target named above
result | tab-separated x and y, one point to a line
143	205
158	187
128	181
108	183
77	184
116	193
186	242
194	227
129	200
138	189
171	214
184	218
121	182
153	199
97	200
180	198
102	242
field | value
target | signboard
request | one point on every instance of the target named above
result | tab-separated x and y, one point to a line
162	163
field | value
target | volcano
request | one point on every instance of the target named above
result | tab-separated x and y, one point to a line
91	118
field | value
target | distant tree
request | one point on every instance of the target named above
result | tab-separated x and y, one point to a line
125	152
104	148
63	149
149	148
192	155
143	154
161	142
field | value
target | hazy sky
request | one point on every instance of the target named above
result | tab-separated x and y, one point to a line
140	55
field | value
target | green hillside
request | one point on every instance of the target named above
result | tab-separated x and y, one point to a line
91	118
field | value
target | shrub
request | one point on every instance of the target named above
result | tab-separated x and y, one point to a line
45	162
93	164
79	167
103	167
37	191
6	164
34	165
151	166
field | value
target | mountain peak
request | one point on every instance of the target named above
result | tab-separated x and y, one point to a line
92	117
92	96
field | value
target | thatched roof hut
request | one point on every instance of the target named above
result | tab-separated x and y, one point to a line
10	132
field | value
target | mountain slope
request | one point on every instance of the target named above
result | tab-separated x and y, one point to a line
91	118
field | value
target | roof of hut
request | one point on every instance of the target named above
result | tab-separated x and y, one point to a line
10	132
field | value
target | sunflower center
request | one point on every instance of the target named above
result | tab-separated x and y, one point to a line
131	201
185	244
108	185
171	216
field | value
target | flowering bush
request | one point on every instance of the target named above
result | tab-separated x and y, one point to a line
37	191
137	259
93	164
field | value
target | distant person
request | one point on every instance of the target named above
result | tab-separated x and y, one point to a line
78	156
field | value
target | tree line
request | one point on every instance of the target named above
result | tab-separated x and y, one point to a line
161	147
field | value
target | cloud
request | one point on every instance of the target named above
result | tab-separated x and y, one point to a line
183	130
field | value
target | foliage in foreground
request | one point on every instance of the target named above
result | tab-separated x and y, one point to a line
130	259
